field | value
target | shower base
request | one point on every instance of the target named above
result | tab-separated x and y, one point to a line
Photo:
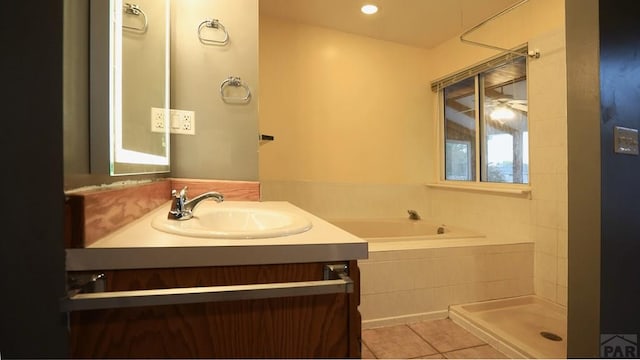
520	327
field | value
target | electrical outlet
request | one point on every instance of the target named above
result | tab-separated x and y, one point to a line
158	119
183	122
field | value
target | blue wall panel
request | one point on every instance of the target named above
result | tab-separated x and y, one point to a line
620	105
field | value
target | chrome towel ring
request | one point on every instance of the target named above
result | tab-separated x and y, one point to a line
133	9
213	24
235	82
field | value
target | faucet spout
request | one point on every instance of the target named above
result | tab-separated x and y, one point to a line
182	208
191	204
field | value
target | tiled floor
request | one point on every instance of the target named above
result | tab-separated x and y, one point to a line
434	339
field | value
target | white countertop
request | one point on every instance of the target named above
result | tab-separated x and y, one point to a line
138	245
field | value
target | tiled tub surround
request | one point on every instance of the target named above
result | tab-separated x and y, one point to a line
417	280
94	212
402	283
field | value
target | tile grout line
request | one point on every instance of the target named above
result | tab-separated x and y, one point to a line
425	340
438	352
452	350
369	348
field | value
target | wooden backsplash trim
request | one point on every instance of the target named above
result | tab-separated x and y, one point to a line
96	213
232	190
105	210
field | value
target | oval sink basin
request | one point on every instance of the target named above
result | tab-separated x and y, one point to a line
231	221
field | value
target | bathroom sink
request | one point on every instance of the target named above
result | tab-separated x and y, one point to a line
234	221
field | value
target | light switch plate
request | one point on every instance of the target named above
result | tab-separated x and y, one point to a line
625	140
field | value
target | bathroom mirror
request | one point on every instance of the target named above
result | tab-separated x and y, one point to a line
129	80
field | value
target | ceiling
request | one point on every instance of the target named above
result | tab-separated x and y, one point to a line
421	23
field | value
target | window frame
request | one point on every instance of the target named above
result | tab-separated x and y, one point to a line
477	184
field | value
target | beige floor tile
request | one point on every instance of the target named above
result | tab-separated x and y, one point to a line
366	352
396	342
478	352
445	335
434	356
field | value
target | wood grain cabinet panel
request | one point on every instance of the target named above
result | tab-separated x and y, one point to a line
320	326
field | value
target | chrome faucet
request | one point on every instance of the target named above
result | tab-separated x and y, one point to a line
182	208
413	215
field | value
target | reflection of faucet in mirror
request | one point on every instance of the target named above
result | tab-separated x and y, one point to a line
182	208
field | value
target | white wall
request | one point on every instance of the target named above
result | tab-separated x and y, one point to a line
352	108
350	121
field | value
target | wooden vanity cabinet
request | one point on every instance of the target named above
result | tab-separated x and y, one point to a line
319	326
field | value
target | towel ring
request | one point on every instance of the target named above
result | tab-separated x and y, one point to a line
236	82
133	9
213	24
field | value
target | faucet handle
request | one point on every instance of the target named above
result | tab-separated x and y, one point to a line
181	195
178	204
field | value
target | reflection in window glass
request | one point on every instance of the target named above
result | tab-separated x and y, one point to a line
460	130
486	121
504	155
459	160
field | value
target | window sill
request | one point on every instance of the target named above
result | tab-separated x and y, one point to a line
513	190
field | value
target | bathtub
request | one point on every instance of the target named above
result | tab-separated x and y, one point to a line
378	231
405	234
416	269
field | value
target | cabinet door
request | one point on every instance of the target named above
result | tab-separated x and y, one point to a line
289	327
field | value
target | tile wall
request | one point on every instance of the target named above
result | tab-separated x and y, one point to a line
542	217
412	285
548	148
398	287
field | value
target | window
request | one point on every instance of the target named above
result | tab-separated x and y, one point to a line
486	137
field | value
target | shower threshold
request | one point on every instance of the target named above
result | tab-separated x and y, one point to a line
520	327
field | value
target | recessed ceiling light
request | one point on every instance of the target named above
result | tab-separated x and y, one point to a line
369	9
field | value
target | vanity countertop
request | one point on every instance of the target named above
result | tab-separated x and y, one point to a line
138	245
